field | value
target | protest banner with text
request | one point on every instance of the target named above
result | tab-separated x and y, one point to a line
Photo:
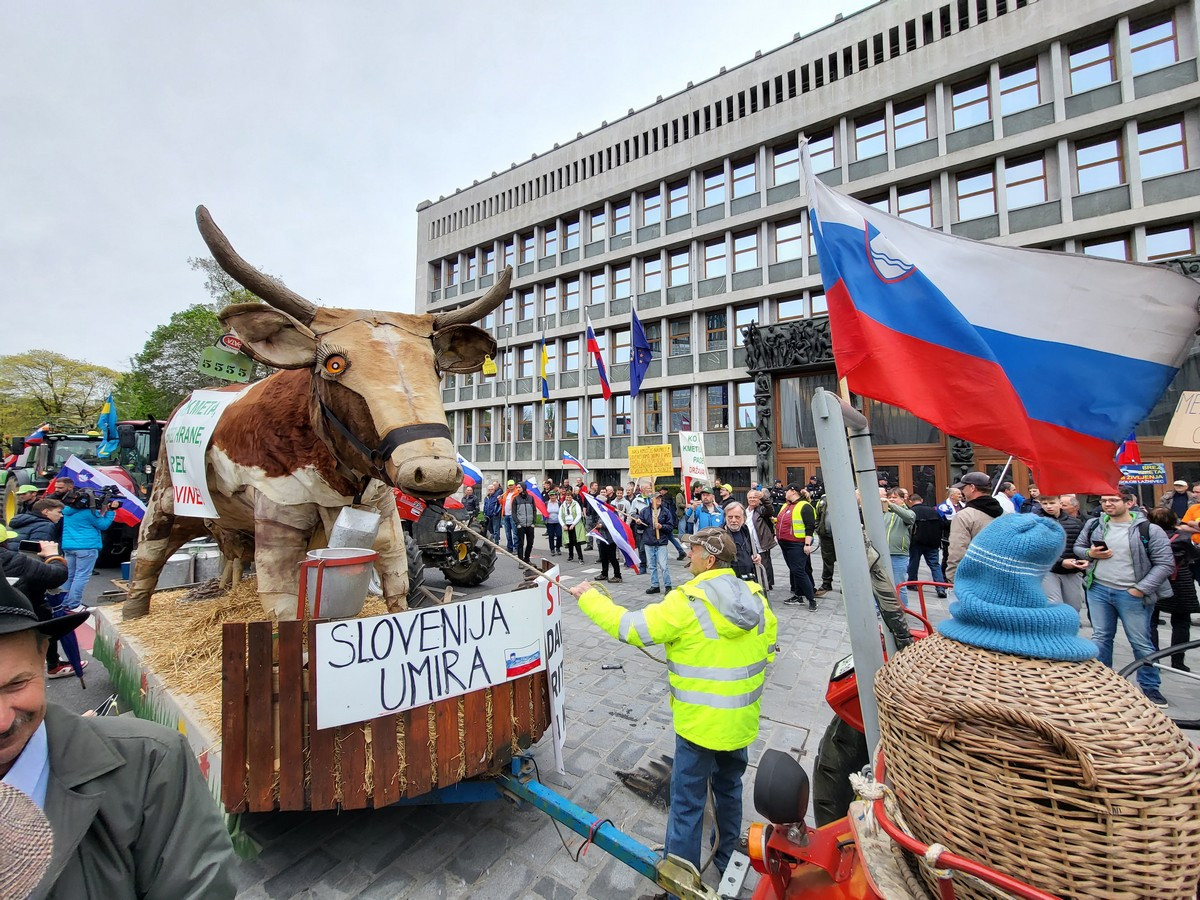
186	438
1184	430
650	461
554	664
691	460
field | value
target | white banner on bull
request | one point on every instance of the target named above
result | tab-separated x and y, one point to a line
186	438
381	665
691	461
556	677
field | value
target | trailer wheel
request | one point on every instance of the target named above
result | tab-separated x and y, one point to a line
475	569
842	752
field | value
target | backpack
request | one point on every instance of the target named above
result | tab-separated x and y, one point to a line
927	532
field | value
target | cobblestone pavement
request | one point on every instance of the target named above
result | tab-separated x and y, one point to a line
617	720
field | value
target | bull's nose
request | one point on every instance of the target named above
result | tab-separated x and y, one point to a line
429	475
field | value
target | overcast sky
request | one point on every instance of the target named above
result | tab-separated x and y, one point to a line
311	130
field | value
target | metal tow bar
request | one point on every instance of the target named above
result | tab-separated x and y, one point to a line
672	874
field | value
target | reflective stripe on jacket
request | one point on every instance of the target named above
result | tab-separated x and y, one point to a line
719	633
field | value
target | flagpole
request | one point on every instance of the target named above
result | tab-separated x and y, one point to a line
1003	472
585	414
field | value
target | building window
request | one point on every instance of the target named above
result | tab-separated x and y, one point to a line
880	203
570	419
745	177
489	261
451	272
1098	164
621	420
969	104
620	346
472	267
571	294
506	317
653	332
549	240
681	409
485	426
651	273
681	336
525	361
506	365
1161	149
1167	243
677	199
596	220
571	235
651	208
570	354
599	417
677	267
652	412
714	187
1108	248
787	164
743	316
916	205
745	251
525	305
910	123
1019	87
714	258
620	218
1152	45
870	138
817	303
525	422
468	426
976	194
1025	182
1092	66
746	415
717	407
622	281
789	240
527	247
509	254
596	288
820	152
716	329
789	308
550	299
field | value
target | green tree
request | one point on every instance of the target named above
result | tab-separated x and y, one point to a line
165	371
40	385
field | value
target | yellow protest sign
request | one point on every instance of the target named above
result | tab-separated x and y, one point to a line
650	461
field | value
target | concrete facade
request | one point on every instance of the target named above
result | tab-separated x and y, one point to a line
1045	124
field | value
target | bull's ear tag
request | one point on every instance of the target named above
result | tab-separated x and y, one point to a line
489	366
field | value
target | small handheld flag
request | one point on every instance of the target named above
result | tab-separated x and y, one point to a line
471	475
618	531
570	460
593	347
538	500
107	426
1129	454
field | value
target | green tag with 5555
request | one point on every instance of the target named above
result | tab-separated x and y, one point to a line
222	364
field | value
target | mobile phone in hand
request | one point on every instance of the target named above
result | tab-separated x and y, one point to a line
1099	545
31	546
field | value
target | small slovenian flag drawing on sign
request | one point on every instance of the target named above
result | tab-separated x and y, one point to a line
522	660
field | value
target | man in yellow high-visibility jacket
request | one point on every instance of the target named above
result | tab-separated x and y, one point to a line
719	633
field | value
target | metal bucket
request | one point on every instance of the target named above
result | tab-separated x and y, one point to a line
355	526
208	562
333	582
176	571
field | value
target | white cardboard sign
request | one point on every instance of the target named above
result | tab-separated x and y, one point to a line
692	467
186	438
381	665
1184	430
554	664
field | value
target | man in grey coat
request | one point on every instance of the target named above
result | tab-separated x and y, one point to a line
131	814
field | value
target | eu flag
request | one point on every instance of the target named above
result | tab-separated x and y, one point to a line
640	356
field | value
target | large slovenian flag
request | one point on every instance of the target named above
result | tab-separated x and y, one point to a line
84	476
618	532
471	475
593	347
1052	357
570	460
538	500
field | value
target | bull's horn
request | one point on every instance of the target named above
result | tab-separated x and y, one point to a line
270	290
473	312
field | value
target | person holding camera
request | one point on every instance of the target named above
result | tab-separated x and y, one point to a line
83	536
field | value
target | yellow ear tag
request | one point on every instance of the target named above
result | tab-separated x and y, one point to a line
489	366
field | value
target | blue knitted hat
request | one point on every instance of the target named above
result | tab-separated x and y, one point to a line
1000	603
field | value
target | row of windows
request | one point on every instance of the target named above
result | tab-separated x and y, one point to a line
720	406
880	47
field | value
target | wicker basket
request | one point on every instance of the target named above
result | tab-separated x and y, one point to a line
1060	774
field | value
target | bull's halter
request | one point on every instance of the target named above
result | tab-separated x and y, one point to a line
405	434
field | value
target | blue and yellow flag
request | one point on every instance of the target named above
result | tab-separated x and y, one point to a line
543	360
107	426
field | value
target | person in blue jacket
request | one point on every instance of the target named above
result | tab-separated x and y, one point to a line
81	542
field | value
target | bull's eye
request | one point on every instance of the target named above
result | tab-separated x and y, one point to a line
335	364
